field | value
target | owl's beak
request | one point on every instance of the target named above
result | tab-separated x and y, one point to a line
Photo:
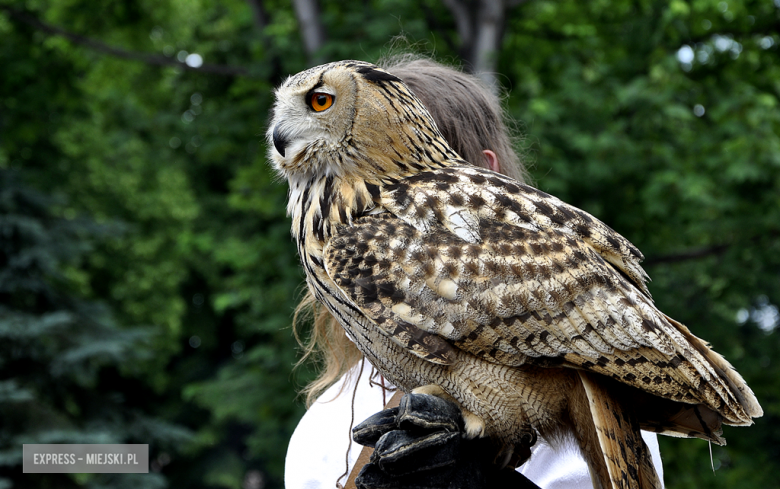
280	140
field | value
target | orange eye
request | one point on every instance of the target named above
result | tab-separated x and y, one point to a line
320	101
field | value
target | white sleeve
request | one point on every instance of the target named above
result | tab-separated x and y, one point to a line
318	447
563	467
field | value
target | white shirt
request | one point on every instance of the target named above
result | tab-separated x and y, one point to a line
318	447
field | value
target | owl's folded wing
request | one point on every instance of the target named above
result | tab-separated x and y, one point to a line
515	294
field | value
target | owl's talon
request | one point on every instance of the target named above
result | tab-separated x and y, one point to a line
474	426
425	443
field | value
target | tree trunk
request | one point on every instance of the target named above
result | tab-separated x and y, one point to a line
489	32
480	25
312	30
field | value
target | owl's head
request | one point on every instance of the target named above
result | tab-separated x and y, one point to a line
350	117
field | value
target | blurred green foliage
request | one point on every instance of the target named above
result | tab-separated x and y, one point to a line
147	277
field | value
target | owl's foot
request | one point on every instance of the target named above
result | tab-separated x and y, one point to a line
422	444
474	426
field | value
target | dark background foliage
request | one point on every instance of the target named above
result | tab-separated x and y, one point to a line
147	276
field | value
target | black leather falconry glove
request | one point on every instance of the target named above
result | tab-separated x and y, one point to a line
421	445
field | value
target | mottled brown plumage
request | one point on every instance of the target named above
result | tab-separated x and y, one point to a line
530	313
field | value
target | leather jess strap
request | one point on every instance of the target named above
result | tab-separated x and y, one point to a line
365	453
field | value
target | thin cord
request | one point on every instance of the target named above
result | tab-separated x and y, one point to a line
351	422
380	384
372	376
712	462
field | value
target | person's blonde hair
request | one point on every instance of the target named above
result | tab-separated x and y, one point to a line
471	119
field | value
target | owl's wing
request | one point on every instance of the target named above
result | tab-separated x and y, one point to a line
458	197
467	259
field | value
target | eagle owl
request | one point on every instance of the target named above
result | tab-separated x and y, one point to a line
532	315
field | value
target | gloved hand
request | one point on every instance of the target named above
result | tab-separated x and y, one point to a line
421	445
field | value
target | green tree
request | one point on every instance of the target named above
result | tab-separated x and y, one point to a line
66	368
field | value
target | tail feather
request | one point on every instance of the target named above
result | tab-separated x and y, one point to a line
689	421
610	438
747	404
